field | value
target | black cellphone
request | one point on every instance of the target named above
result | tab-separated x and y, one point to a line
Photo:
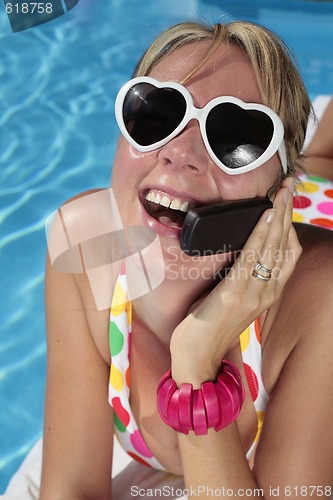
221	228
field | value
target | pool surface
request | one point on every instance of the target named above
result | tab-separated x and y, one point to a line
57	87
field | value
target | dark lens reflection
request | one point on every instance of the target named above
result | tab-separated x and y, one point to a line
237	136
151	114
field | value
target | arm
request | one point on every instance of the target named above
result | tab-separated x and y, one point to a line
300	411
295	452
319	154
78	428
284	458
296	447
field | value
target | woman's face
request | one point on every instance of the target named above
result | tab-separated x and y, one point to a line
182	170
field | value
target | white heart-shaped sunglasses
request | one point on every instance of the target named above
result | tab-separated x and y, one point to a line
238	136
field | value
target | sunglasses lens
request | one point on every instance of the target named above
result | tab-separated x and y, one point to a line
237	136
151	114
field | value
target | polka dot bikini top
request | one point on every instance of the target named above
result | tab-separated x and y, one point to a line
313	203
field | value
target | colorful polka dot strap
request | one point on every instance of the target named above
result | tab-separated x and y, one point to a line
313	201
250	344
126	429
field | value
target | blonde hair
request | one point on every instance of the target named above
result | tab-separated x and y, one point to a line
280	84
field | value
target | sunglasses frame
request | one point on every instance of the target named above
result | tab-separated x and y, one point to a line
200	114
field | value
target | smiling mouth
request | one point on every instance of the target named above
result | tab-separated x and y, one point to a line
166	209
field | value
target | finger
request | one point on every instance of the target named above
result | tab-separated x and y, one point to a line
248	256
272	247
263	245
292	254
287	222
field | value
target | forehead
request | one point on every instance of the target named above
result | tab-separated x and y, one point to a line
227	72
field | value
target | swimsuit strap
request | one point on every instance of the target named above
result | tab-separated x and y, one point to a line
126	428
250	344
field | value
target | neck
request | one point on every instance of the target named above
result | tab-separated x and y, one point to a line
163	308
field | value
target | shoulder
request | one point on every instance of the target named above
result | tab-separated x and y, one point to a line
80	276
298	369
305	310
316	262
76	226
313	237
78	245
308	296
313	275
88	214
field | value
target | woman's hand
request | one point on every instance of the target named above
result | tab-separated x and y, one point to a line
200	341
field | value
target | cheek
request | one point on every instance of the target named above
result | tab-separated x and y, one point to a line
250	184
118	175
125	172
234	187
123	166
129	166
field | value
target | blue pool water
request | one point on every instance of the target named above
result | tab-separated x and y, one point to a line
57	88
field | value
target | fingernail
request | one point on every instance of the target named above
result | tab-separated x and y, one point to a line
270	215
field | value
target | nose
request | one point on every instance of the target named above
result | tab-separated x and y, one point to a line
186	151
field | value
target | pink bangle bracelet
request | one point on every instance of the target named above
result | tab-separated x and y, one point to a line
215	405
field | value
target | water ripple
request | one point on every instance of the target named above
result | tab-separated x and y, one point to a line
57	137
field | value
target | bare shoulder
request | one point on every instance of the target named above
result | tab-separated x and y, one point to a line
311	236
311	283
298	369
308	297
316	262
78	267
88	214
71	223
304	313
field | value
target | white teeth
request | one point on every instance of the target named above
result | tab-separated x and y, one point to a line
165	201
175	204
184	207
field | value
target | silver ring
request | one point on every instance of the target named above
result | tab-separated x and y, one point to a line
260	267
261	277
256	273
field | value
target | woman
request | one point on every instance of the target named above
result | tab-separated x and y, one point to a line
191	325
319	153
